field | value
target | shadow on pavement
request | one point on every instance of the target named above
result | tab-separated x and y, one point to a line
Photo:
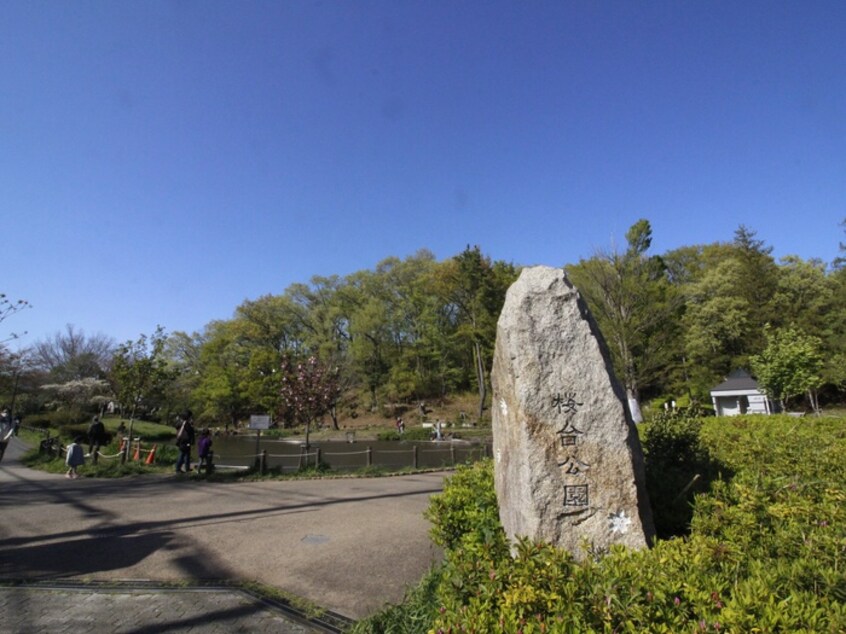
79	557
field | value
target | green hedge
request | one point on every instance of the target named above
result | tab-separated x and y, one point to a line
766	549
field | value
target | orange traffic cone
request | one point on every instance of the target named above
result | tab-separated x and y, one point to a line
137	454
122	445
152	455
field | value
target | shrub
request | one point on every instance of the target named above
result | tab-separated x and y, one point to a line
467	506
411	433
764	552
678	466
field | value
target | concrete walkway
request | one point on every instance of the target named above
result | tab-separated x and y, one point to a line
347	545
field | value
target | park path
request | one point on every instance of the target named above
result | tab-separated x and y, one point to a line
348	545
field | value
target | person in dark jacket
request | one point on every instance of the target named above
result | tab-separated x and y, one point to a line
185	440
96	437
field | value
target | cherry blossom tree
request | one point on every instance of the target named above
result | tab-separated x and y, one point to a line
309	389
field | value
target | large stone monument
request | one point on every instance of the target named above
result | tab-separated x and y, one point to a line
568	463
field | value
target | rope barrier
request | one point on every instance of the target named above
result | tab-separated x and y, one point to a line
381	451
102	455
346	453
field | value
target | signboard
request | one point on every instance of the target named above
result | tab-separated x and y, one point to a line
757	398
259	422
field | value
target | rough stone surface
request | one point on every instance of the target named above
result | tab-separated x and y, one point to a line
568	462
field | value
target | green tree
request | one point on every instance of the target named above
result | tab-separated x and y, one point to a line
223	368
473	289
183	351
804	296
756	282
636	307
727	307
790	365
140	374
370	340
840	260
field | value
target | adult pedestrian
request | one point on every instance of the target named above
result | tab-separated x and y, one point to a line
185	440
96	437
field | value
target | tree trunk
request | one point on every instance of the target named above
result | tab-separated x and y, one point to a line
815	401
634	405
480	377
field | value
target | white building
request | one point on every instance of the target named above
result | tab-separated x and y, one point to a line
739	394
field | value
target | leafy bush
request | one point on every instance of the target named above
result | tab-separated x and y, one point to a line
678	466
467	508
765	550
411	433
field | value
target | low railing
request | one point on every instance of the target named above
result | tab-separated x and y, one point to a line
370	457
413	457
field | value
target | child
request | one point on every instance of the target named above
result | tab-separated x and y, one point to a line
203	450
75	457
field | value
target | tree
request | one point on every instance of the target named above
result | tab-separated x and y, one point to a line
804	296
636	308
309	389
840	260
728	306
79	394
71	355
8	308
474	288
223	363
140	373
790	365
757	282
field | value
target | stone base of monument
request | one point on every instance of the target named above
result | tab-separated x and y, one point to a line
567	460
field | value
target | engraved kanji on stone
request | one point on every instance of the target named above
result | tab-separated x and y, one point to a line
567	441
566	403
576	495
569	435
573	466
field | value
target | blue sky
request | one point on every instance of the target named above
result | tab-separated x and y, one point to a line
161	162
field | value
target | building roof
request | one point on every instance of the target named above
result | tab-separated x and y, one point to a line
736	381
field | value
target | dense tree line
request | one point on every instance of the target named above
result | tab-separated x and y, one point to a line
419	329
678	323
406	331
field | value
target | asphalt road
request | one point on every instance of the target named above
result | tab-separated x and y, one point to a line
348	545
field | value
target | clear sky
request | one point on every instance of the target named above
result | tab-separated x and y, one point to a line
161	162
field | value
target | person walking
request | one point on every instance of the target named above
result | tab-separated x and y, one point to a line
184	440
75	458
96	437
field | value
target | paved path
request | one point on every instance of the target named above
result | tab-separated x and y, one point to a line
28	610
348	545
